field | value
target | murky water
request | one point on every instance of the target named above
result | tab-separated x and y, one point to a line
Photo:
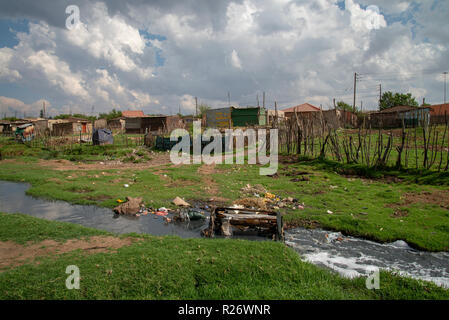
353	257
14	200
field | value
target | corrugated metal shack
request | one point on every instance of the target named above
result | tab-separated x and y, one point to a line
5	126
219	118
133	125
117	124
395	116
62	128
252	116
439	113
155	124
162	123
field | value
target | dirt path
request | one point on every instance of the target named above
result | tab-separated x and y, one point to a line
13	254
211	187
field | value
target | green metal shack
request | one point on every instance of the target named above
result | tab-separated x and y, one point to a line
253	116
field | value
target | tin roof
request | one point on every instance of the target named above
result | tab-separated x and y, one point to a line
133	113
305	107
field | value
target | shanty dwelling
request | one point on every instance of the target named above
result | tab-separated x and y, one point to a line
17	123
251	116
133	125
439	113
305	109
100	124
159	124
5	127
133	121
62	127
396	116
116	125
219	118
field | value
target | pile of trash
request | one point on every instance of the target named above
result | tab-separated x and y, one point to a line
260	198
135	207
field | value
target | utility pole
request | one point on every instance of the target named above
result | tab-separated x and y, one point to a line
264	99
355	90
445	74
43	109
361	106
380	94
196	106
229	99
258	100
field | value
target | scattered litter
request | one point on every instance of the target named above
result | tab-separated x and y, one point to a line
126	185
180	202
120	200
329	212
269	195
162	209
130	207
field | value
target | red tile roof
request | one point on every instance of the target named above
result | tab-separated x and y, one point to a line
306	107
439	109
133	113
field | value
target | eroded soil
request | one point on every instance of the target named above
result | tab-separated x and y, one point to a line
13	254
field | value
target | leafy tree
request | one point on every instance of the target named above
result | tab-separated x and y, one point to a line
76	115
202	108
390	100
41	115
344	106
113	114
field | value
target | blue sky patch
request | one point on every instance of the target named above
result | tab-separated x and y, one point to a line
8	29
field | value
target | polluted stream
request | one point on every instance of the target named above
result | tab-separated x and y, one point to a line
349	256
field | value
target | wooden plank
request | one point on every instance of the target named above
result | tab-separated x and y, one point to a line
243	217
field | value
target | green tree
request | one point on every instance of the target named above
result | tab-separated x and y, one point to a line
202	108
344	106
113	114
41	115
390	100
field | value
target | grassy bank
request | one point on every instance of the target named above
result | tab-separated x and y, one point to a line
174	268
383	204
374	208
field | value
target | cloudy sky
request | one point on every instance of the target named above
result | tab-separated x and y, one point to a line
158	55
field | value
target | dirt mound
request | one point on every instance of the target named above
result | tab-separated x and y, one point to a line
435	197
13	254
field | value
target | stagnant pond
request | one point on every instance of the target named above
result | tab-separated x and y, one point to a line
350	257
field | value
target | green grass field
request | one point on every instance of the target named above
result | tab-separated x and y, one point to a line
174	268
